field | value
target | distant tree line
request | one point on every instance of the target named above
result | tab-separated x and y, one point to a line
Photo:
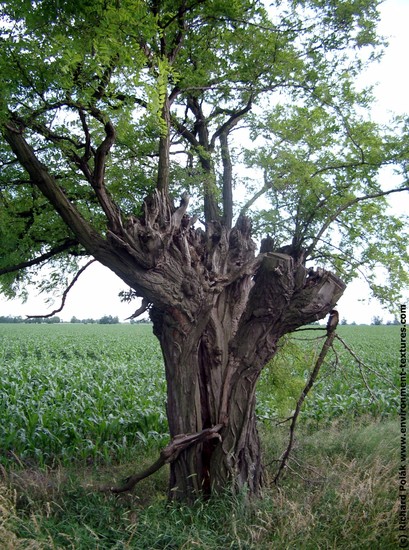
376	320
110	320
19	319
105	320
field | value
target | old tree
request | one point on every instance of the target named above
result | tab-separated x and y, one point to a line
164	138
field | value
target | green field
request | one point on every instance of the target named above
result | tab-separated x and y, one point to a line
79	391
80	404
92	392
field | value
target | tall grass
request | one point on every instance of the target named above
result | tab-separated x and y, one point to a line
341	493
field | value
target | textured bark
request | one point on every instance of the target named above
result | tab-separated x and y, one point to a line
215	353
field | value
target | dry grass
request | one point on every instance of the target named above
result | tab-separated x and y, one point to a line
341	494
8	521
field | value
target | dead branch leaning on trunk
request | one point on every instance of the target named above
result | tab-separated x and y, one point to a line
331	327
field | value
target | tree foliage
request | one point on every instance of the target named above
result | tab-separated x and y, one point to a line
118	79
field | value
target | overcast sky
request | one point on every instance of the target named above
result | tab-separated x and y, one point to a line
96	292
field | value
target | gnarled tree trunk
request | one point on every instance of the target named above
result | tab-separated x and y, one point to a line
217	307
215	347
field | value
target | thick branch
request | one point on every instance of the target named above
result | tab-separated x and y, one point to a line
282	299
231	122
110	208
211	210
227	181
144	307
40	259
46	183
169	454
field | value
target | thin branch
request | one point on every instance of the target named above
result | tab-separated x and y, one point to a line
53	136
344	207
182	11
309	328
184	132
266	187
310	481
331	328
88	150
253	199
65	294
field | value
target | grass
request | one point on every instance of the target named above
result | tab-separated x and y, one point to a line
342	494
82	406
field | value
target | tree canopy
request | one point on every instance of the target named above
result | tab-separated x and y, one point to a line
247	107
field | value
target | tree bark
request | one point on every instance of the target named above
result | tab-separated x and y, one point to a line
213	363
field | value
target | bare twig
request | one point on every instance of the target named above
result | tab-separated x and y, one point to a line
305	480
65	294
309	328
316	338
69	243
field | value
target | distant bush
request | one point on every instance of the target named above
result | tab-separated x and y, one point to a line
83	321
108	320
